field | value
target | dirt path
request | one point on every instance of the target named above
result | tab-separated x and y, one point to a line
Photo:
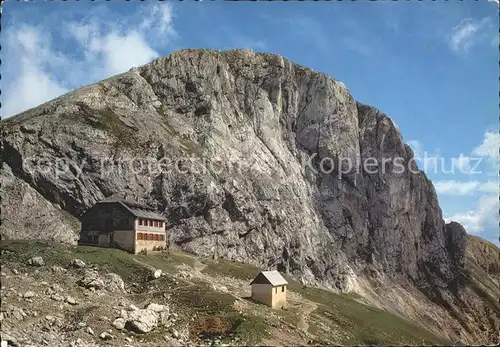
147	266
305	310
198	266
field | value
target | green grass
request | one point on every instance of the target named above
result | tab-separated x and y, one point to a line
107	120
113	260
477	274
202	302
166	262
289	315
223	267
356	323
253	329
201	298
21	251
124	136
344	319
483	242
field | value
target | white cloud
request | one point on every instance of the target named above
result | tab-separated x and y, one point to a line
159	19
489	149
462	163
106	49
110	49
123	52
468	33
483	217
110	53
490	145
33	84
453	187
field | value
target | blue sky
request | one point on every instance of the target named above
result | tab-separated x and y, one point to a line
432	67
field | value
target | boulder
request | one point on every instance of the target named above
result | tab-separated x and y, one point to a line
58	269
56	297
90	331
142	321
72	301
36	261
78	263
119	323
106	336
28	295
9	340
56	287
113	283
156	274
91	279
157	308
132	307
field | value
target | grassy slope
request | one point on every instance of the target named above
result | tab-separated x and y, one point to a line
482	270
340	318
336	318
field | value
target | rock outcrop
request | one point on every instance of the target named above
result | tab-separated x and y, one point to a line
250	156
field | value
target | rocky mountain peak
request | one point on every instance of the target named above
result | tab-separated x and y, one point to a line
272	126
250	156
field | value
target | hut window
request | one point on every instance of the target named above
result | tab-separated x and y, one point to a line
150	223
140	221
282	289
276	290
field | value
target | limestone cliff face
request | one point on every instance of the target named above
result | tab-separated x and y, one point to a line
230	146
